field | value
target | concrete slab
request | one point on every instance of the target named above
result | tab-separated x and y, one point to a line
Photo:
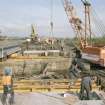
73	99
90	102
39	99
49	99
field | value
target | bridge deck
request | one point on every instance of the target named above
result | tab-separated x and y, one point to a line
8	49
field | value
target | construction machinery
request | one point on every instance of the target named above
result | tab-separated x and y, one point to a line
84	33
34	35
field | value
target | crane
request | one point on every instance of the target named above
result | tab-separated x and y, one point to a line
76	23
83	31
33	33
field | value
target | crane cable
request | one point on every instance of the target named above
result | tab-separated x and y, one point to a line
99	26
99	23
51	19
51	24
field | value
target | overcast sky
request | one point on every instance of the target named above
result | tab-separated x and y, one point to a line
16	16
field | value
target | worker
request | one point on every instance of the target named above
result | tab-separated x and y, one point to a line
77	53
78	58
74	72
7	82
86	85
82	65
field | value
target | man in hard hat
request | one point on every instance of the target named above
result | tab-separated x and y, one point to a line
7	82
86	85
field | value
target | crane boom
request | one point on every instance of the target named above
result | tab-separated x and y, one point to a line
82	31
33	33
75	21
